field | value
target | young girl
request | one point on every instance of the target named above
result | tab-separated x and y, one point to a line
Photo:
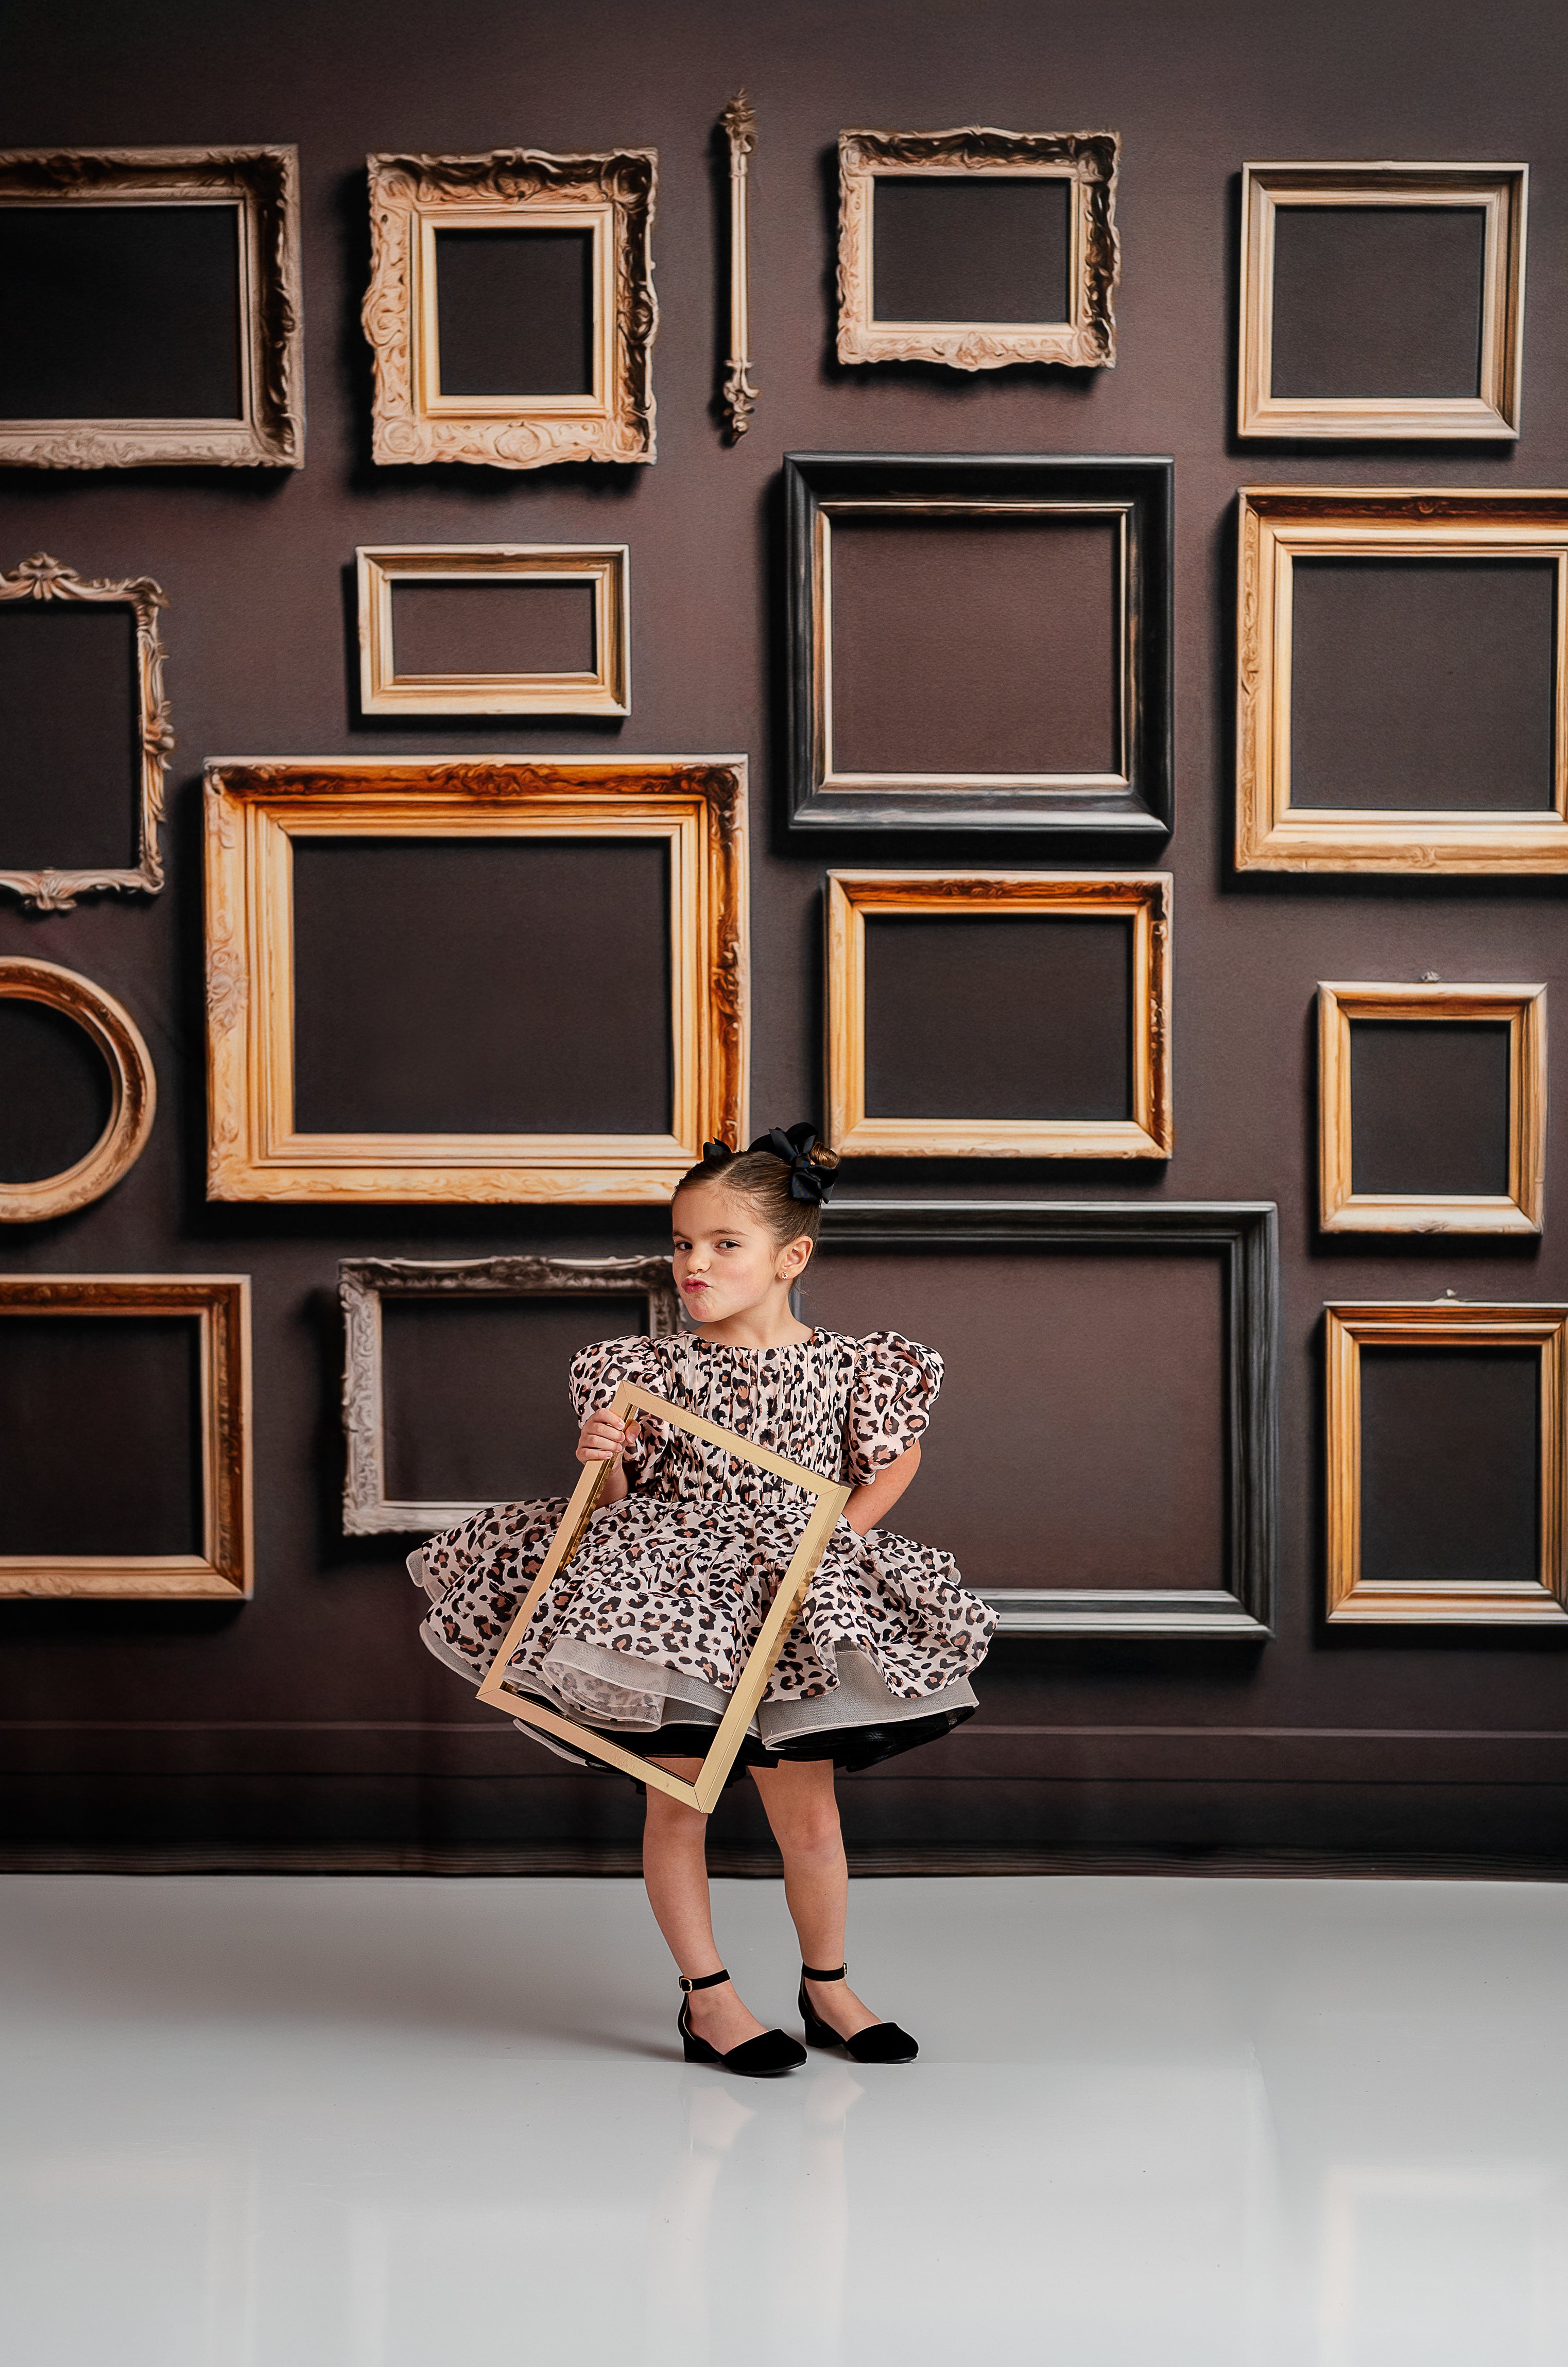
644	1633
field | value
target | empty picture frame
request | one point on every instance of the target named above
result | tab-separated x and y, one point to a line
511	309
1008	236
103	708
265	816
1127	973
365	1285
1405	1162
1447	1469
151	308
1402	693
592	579
216	1461
979	643
1381	299
133	1090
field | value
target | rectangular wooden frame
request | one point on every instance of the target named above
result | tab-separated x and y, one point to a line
1143	898
256	808
1354	1324
264	185
1343	1210
1132	800
1499	190
364	1284
832	1495
1084	160
606	690
1244	1234
1279	523
224	1569
611	195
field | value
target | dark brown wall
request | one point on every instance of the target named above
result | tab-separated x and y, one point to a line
311	1717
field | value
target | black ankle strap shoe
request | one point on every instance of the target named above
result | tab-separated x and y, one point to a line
884	2042
763	2057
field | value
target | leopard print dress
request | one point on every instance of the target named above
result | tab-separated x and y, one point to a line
646	1630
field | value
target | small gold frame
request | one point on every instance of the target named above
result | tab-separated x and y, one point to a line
1143	897
132	1089
1498	190
832	1495
1356	1324
1281	523
1518	1210
224	1569
606	690
411	199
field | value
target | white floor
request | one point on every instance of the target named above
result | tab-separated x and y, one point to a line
1154	2124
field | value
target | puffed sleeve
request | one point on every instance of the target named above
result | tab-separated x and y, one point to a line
597	1372
895	1386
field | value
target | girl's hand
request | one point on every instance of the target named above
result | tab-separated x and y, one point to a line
604	1439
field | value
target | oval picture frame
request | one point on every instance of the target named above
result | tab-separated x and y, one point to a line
132	1081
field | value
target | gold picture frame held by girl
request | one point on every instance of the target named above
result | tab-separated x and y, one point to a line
832	1495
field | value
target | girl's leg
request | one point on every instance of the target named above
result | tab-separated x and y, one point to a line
675	1868
798	1797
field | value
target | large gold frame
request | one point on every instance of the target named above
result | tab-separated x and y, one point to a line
412	198
224	1569
1518	1210
832	1495
1276	525
1498	190
263	184
1086	160
1143	898
133	1093
606	690
256	807
1356	1324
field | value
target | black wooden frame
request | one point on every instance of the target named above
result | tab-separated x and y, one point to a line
1139	809
1245	1235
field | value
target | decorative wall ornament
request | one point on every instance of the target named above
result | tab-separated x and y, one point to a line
42	578
133	1093
1086	160
364	1284
739	396
262	185
608	195
1498	191
223	1570
384	689
1142	899
255	806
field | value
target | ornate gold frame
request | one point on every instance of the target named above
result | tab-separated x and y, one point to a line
224	1569
738	398
1356	1324
1086	340
832	1495
256	807
42	578
132	1086
605	691
1145	898
611	194
1276	525
263	184
1343	1210
1500	190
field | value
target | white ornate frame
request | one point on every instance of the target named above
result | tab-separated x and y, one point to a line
133	1093
606	690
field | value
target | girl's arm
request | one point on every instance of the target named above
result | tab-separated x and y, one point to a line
876	1500
602	1440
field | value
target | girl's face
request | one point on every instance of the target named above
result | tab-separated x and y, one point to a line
726	1260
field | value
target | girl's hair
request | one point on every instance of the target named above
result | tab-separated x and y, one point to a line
787	1185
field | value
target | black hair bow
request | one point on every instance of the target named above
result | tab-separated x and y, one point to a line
795	1147
716	1154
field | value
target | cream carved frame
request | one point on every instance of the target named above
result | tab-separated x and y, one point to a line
263	185
224	1569
42	578
413	198
1355	1324
1143	899
1342	1209
1276	525
1086	160
1500	191
738	396
256	807
133	1093
606	690
832	1495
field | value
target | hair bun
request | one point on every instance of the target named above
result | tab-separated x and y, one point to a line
809	1163
820	1156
